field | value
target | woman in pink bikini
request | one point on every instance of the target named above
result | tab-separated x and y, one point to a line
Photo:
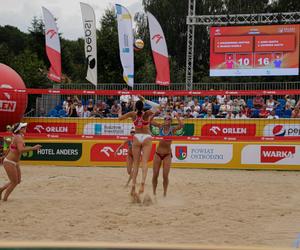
12	158
142	141
163	154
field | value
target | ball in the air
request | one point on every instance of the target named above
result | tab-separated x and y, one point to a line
138	44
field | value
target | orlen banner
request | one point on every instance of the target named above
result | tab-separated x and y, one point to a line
52	127
271	154
106	152
254	50
228	130
202	153
282	130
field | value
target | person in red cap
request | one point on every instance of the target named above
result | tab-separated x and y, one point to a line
12	158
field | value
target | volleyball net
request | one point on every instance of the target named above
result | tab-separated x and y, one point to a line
240	114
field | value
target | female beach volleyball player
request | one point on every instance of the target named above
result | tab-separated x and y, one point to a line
163	154
129	159
142	140
12	158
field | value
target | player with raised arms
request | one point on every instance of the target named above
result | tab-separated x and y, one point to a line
163	154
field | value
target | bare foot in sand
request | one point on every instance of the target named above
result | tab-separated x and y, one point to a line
142	188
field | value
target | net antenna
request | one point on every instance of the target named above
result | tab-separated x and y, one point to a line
208	20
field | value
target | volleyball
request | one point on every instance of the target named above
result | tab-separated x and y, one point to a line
138	44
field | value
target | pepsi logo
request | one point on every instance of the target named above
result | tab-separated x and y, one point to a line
279	130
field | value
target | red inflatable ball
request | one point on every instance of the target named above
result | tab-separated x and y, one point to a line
12	104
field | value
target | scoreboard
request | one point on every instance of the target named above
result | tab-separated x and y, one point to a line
254	50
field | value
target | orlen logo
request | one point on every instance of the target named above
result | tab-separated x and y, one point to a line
51	127
157	38
278	130
7	105
272	154
228	129
51	33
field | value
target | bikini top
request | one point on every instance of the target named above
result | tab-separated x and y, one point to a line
139	122
162	132
12	146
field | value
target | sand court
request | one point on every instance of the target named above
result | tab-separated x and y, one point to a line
221	207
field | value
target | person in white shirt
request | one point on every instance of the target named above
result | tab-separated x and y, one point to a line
79	109
162	100
85	112
229	115
209	115
240	115
125	98
273	115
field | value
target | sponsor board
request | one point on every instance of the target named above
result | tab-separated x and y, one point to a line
52	127
54	152
8	106
202	153
282	130
106	152
271	154
107	129
187	130
228	130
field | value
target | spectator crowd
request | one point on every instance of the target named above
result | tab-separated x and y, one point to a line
210	107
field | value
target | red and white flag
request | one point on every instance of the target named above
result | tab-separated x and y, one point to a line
159	51
52	46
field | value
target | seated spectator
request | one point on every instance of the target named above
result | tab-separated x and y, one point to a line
66	104
236	107
85	112
188	114
224	108
115	109
162	100
95	112
220	99
110	101
190	101
79	109
271	104
264	113
72	110
296	112
258	102
125	98
209	114
273	115
241	115
290	102
241	101
90	105
247	111
229	115
228	100
206	105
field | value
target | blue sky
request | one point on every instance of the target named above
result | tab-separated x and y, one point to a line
19	13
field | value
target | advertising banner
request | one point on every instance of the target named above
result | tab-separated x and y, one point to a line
125	34
254	50
52	127
52	46
54	152
107	129
282	130
106	152
90	41
187	130
271	154
228	130
202	153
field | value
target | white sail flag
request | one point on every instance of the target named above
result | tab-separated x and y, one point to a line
52	46
125	33
159	51
90	41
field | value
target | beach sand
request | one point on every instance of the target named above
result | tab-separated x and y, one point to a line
220	207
